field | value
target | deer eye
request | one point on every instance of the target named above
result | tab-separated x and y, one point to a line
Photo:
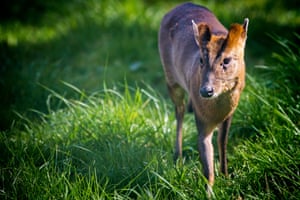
226	62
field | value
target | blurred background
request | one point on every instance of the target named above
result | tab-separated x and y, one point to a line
91	43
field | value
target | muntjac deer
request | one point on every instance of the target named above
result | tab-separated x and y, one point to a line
201	57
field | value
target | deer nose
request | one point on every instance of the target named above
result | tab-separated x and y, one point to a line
207	91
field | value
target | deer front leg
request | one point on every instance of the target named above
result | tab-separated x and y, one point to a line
206	156
206	151
222	144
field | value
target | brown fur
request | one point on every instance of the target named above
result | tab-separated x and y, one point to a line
201	58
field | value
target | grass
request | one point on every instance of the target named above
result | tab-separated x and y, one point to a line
85	115
115	144
106	144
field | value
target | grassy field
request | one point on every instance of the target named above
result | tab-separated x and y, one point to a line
85	114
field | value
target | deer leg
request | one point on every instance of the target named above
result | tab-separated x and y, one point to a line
222	144
206	151
178	145
177	96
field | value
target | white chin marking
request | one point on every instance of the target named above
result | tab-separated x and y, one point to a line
215	95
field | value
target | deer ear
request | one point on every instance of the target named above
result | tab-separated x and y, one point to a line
237	34
202	33
196	32
245	25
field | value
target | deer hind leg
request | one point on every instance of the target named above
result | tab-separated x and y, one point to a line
177	96
222	144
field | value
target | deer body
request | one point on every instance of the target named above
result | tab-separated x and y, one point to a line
204	59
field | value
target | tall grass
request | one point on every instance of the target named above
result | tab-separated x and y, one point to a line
106	145
118	145
104	140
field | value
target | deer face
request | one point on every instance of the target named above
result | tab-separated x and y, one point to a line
221	59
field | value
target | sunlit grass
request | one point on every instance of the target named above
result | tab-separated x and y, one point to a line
54	25
60	21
